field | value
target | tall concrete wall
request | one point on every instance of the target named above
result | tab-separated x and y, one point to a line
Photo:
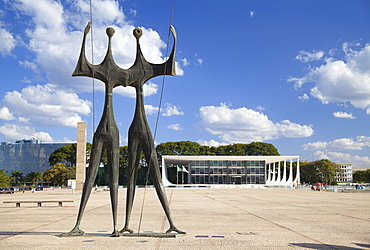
81	155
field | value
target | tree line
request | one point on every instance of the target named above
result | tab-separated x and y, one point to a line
63	163
18	178
63	160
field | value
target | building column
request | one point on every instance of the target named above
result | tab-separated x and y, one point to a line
81	155
269	174
279	175
298	175
273	173
284	174
290	180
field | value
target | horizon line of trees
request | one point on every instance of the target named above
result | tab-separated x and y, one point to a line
63	160
63	163
18	178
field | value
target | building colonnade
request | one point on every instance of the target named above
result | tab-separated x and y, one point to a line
232	170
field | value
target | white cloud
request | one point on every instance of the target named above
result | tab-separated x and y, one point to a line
342	81
150	110
55	32
304	56
29	65
359	143
149	89
179	71
171	110
168	110
133	12
5	114
298	82
343	158
260	108
7	42
199	60
211	143
341	114
14	132
175	127
185	62
43	105
289	129
23	119
101	8
304	97
246	125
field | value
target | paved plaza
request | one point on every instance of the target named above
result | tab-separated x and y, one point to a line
212	218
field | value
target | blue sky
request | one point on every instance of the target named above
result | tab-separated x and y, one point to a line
292	73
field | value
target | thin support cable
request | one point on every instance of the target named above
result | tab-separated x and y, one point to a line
163	78
157	121
92	61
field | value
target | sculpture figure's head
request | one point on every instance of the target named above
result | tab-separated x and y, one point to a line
138	33
110	32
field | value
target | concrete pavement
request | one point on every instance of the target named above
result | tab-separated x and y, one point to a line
212	218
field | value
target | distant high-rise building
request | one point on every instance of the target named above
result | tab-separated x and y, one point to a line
26	155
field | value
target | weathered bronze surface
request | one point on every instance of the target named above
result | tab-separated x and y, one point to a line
106	135
140	137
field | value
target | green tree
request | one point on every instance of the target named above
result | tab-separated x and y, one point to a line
34	177
123	156
67	154
232	149
261	148
323	171
59	174
179	148
254	148
5	179
361	176
194	148
309	172
207	150
17	176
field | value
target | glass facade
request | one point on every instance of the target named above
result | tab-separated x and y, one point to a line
227	172
26	155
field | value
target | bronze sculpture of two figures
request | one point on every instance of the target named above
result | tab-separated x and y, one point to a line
106	135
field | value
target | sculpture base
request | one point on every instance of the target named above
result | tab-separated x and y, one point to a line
150	235
153	235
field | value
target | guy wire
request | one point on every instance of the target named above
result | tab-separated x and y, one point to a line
92	68
157	121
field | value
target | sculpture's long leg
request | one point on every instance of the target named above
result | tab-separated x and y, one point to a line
151	157
91	174
113	166
133	161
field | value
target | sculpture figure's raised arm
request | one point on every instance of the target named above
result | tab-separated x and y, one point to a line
143	70
170	64
83	67
107	71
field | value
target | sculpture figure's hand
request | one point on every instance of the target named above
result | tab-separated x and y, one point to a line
173	31
87	29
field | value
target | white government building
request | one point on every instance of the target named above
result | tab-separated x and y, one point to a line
249	171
